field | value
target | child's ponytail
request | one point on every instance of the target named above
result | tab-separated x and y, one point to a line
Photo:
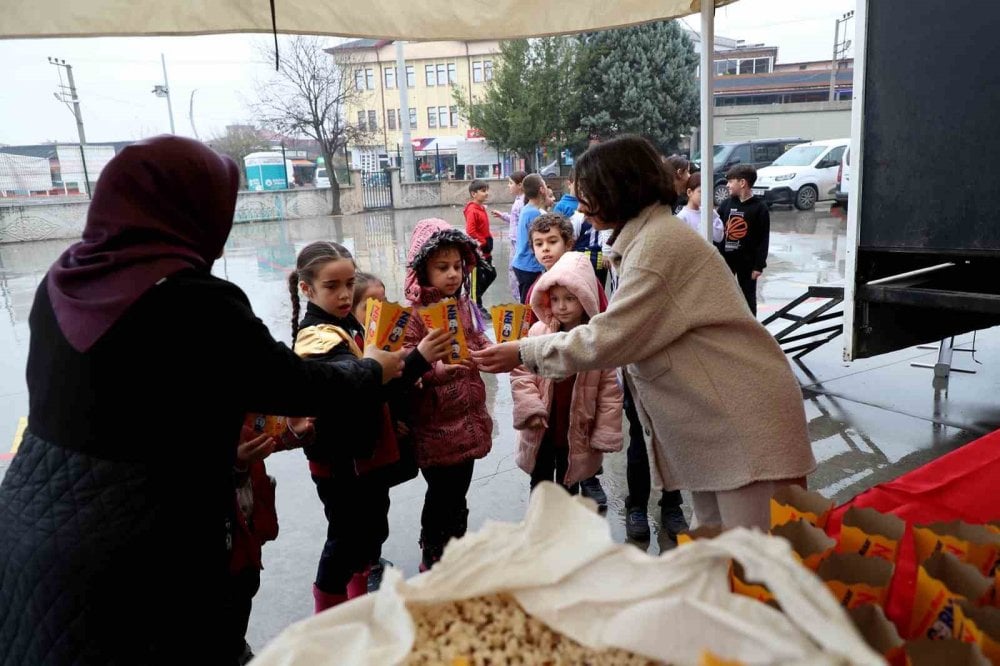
293	291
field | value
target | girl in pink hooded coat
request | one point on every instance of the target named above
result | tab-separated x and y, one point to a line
449	424
565	426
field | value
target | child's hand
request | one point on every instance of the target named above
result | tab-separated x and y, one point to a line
436	345
463	367
391	362
402	429
495	213
537	422
301	425
756	274
254	449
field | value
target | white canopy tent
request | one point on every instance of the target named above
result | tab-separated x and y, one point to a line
389	19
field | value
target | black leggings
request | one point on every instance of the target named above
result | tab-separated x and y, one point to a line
357	513
551	465
637	468
446	512
749	288
524	281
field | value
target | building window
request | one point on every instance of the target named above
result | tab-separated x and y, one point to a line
413	118
370	78
477	72
488	70
372	121
429	75
452	74
727	67
411	77
453	112
361	120
432	119
390	77
390	119
442	75
442	116
762	65
359	79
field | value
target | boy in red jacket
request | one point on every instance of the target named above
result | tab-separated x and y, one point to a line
477	226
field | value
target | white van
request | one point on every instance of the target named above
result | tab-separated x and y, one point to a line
843	191
805	174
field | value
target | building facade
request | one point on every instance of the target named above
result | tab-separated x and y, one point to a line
433	72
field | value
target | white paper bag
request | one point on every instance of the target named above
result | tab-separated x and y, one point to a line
561	565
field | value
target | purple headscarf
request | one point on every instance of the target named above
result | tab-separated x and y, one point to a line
160	206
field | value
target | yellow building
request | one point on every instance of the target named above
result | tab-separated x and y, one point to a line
433	72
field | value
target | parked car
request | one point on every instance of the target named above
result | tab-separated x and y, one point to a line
807	173
759	152
322	178
843	190
550	170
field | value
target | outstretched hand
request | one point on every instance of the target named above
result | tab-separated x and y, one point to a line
498	358
391	362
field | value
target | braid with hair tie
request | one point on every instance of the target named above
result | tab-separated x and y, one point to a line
293	291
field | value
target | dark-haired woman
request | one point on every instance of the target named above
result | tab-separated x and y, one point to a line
719	404
116	513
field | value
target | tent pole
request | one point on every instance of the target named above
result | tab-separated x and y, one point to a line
706	134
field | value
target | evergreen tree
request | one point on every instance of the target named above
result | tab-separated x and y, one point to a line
639	80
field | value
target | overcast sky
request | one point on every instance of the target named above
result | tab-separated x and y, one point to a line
115	76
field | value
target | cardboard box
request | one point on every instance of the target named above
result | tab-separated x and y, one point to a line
880	634
809	543
793	502
509	321
385	324
975	544
950	652
942	581
855	579
981	625
871	533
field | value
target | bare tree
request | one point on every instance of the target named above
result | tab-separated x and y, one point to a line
238	142
310	95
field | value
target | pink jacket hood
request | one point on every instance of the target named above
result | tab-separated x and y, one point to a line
427	236
574	272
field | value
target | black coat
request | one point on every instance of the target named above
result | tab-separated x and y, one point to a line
113	514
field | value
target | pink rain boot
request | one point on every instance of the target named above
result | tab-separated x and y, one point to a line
324	600
358	585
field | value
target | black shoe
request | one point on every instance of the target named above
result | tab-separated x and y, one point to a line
375	574
672	521
591	488
636	523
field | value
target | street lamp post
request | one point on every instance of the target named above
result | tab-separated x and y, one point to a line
164	91
838	49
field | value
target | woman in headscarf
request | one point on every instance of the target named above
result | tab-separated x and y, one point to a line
115	514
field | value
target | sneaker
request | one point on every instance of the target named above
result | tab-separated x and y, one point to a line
672	521
591	489
637	524
376	573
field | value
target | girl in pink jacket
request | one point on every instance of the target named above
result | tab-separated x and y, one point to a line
449	425
565	426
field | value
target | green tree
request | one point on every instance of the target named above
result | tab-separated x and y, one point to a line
531	100
238	142
638	80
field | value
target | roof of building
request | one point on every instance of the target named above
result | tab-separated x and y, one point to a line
779	80
356	44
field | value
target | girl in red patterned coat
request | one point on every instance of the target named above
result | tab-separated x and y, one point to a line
450	426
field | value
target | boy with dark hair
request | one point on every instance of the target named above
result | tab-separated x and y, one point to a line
477	226
746	231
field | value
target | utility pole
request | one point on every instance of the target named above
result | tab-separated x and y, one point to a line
164	91
839	48
404	105
71	88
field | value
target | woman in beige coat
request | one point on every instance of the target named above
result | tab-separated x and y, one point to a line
719	404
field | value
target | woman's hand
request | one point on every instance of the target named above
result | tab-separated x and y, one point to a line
499	358
254	450
391	362
436	345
